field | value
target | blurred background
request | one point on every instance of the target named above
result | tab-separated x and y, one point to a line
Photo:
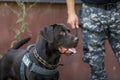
27	17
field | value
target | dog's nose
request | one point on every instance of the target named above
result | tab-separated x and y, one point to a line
76	39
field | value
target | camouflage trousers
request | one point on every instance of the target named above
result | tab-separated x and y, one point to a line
100	23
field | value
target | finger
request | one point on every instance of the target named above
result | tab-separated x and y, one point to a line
73	25
77	24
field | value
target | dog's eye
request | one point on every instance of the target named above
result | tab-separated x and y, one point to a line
62	33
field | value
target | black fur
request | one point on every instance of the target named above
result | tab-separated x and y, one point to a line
47	47
20	43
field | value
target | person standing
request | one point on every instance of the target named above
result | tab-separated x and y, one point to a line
100	20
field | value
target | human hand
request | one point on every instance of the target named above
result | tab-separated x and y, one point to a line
73	20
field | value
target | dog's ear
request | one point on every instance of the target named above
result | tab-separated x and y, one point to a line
47	33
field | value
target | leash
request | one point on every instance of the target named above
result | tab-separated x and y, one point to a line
76	31
68	60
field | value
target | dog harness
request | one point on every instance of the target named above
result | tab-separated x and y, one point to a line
26	62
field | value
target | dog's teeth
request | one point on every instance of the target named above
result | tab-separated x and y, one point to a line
72	50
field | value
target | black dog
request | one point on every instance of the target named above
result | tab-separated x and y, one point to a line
38	62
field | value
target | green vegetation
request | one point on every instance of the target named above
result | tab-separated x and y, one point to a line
21	13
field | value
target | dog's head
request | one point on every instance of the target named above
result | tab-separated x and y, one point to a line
59	37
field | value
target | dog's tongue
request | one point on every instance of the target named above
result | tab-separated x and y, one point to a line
73	50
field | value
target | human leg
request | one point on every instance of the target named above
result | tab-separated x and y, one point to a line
114	30
94	37
94	52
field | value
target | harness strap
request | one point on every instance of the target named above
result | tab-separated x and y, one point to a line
37	69
22	69
32	66
22	74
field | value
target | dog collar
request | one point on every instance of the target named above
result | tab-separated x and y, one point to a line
41	60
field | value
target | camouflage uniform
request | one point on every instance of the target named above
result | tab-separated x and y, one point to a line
100	22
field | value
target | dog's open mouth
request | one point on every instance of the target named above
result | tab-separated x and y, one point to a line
66	50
